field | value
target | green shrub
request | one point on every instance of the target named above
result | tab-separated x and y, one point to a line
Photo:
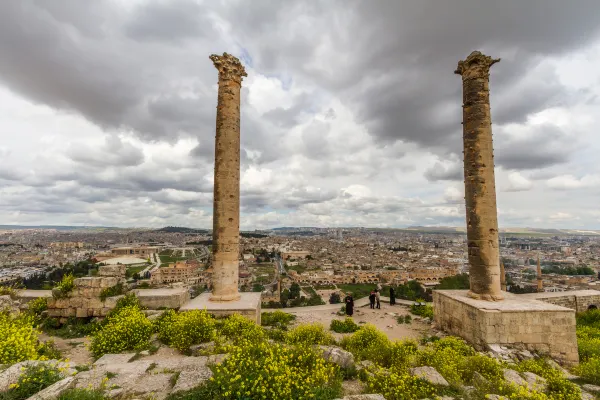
538	366
275	334
368	343
116	290
163	325
403	354
589	318
129	300
18	338
66	286
38	306
73	328
399	386
48	351
82	394
309	334
590	370
277	319
423	311
34	379
127	329
8	291
182	330
237	327
346	326
274	371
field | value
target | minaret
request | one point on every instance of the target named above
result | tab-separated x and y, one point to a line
540	282
226	210
502	277
480	187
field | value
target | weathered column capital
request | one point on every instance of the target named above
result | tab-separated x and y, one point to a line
476	65
230	67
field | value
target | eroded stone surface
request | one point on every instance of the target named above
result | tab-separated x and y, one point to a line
480	189
53	391
190	379
338	356
226	210
514	378
430	375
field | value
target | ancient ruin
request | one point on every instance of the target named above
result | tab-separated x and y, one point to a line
477	315
480	189
225	298
226	214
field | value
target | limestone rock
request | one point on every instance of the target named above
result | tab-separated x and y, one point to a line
556	366
587	396
591	388
363	397
11	374
514	378
338	356
153	384
9	305
430	375
495	397
190	379
114	359
203	349
53	391
534	381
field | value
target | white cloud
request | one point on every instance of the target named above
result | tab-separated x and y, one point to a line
518	183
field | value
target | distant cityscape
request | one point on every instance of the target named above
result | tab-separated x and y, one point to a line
295	266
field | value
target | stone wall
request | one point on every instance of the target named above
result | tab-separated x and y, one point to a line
578	300
84	300
517	322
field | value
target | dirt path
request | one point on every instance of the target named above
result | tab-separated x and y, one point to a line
76	350
384	319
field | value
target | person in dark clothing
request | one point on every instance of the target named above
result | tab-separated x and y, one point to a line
392	297
372	299
349	305
378	298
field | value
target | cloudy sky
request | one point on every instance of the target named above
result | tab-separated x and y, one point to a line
350	112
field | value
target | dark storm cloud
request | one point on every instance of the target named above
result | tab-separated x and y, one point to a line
393	61
440	172
542	146
114	152
167	22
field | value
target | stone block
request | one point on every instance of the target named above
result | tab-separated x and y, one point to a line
53	391
248	306
163	298
111	302
112	270
81	313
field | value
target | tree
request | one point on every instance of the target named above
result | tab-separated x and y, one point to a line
258	287
294	291
335	298
456	282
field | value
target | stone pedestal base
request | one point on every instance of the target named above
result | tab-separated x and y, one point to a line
156	299
516	321
248	305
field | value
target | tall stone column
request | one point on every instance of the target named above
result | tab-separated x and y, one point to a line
226	210
480	188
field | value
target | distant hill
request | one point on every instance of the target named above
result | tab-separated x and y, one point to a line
181	229
57	227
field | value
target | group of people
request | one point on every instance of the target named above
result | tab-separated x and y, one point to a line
374	299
